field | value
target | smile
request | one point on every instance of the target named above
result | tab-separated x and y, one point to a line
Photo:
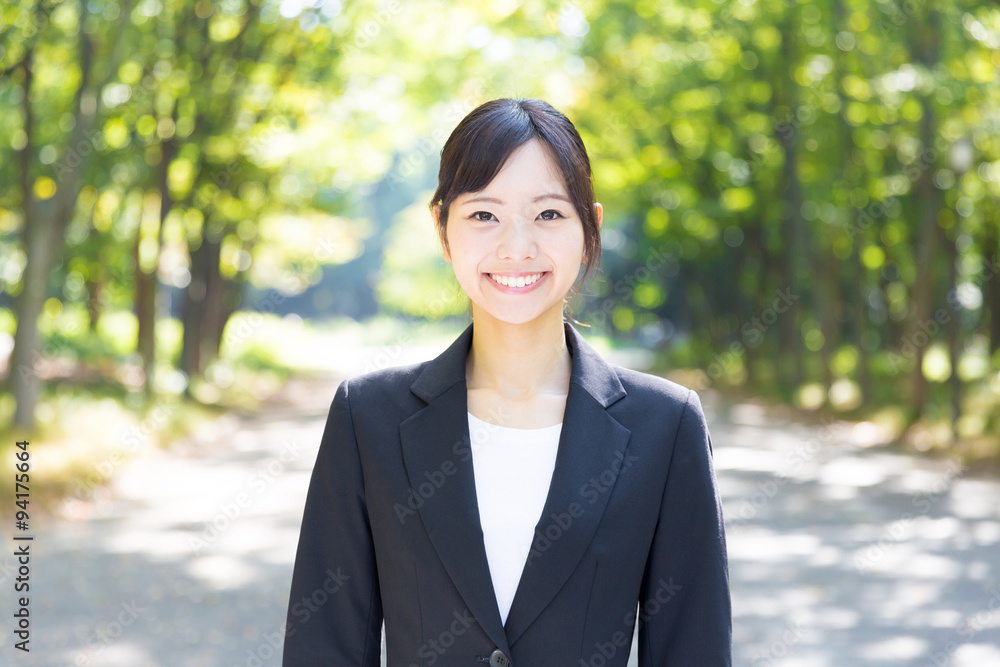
515	282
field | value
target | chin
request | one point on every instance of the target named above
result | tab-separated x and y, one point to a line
512	316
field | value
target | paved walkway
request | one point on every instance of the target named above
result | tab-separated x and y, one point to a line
840	554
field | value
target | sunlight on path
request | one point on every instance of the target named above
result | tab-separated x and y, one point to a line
840	553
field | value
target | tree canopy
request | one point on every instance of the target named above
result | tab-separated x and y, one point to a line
799	196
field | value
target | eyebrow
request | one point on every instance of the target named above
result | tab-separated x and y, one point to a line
547	195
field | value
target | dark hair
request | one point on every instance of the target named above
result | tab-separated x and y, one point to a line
481	143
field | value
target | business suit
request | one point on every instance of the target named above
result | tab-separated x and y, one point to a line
391	527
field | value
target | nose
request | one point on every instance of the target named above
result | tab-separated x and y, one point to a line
517	241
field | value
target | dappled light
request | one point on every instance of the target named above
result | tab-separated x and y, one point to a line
215	211
862	556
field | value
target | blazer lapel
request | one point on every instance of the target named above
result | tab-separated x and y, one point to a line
592	448
436	439
592	451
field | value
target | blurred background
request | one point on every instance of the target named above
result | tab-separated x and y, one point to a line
213	211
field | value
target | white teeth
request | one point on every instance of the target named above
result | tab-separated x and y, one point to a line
520	281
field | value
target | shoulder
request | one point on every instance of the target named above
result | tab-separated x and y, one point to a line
654	389
665	407
383	387
651	398
390	378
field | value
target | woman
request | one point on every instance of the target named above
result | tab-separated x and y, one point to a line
516	500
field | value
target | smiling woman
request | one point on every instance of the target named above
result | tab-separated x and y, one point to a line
520	234
517	500
483	145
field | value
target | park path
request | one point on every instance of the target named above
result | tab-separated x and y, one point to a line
841	553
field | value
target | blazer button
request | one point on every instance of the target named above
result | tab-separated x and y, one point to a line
498	659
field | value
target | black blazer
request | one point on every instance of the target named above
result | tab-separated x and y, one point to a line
632	523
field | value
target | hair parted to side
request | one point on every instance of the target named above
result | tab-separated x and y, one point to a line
481	143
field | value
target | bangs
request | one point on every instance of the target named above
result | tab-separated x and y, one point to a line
489	147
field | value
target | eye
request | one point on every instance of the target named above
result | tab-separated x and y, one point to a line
552	210
475	216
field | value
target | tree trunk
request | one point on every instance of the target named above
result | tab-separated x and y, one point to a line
37	246
856	277
193	314
753	339
991	292
145	307
860	323
45	221
232	298
792	252
953	333
215	316
929	203
827	285
148	283
94	309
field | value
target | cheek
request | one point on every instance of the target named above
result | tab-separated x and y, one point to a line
570	247
465	253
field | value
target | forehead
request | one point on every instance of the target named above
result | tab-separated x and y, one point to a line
531	172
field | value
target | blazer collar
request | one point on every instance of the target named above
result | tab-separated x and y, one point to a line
592	445
590	370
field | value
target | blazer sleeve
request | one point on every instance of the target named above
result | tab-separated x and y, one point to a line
335	608
685	615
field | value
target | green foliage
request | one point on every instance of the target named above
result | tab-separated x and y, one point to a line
415	279
842	153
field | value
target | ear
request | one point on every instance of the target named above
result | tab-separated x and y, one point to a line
442	234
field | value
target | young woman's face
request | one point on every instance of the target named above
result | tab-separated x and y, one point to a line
517	245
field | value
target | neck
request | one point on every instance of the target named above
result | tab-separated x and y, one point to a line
519	360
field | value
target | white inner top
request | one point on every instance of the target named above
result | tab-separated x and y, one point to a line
513	469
